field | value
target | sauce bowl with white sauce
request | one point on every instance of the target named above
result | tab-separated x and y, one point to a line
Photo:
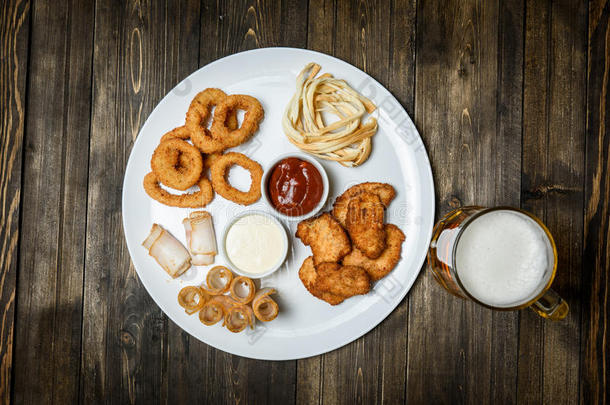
255	244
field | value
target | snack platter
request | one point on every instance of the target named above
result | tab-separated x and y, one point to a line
310	317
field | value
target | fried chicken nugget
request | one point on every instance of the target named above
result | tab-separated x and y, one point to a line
385	192
308	276
345	281
364	223
380	267
327	239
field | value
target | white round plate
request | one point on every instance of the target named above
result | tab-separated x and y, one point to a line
306	326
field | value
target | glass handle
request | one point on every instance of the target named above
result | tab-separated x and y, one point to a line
551	306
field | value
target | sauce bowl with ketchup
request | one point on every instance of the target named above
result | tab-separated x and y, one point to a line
295	185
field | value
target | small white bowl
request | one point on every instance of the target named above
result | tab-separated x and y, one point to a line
224	244
307	158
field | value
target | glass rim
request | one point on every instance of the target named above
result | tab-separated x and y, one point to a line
484	211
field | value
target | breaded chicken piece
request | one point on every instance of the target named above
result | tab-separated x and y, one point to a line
346	281
364	223
380	267
308	276
327	239
385	192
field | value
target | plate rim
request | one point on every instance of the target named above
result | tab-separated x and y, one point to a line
418	259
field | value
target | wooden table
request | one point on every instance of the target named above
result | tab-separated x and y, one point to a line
512	101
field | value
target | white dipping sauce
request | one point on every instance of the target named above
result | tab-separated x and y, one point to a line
255	243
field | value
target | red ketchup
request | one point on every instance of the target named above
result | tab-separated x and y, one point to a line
295	187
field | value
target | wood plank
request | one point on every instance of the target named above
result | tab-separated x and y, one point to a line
136	61
595	356
468	92
504	332
227	28
563	211
49	309
183	370
529	387
372	369
552	188
14	36
401	71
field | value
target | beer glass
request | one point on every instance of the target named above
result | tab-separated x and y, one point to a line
502	258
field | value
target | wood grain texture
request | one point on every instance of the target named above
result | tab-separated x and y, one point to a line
49	309
509	110
595	356
124	332
228	27
536	70
14	24
468	76
552	188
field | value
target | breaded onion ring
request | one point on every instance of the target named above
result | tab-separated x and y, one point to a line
218	280
233	137
197	118
208	160
221	166
242	289
198	199
177	133
264	307
215	309
192	299
177	164
211	313
184	134
238	317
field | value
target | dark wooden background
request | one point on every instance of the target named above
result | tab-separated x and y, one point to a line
511	99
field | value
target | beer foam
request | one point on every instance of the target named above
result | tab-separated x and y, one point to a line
503	258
